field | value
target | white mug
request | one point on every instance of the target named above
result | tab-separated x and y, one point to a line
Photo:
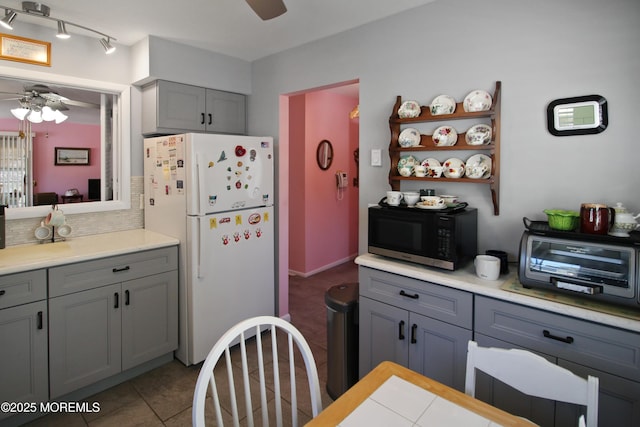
487	267
411	197
55	218
421	171
394	198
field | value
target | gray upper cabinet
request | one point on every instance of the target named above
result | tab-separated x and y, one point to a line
169	107
23	338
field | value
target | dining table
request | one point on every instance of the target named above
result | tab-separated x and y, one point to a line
392	395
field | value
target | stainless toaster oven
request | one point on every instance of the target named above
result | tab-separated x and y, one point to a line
603	268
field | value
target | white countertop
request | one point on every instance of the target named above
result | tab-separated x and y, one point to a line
465	279
15	259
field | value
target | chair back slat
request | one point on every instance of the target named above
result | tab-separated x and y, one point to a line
243	333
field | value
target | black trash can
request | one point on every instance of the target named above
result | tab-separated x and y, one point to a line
342	338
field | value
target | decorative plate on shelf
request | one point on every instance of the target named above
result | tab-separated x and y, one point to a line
409	137
430	162
407	161
479	134
478	166
453	168
477	100
409	110
443	104
445	136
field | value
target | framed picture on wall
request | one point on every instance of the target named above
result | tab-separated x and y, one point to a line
72	156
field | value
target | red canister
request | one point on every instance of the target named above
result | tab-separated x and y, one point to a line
596	218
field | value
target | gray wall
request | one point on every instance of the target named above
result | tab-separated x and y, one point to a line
540	50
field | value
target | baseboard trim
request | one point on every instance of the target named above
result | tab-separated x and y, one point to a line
323	268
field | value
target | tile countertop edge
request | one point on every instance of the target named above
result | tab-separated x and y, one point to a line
466	280
19	258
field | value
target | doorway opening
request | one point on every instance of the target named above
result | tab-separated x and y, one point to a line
323	142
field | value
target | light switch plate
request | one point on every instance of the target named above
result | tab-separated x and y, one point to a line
376	157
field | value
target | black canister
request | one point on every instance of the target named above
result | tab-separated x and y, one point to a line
2	232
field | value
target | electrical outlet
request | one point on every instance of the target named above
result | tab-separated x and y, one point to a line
376	157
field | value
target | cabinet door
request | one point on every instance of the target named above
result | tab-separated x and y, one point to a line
181	106
23	358
496	393
438	350
384	334
85	340
226	112
149	318
618	400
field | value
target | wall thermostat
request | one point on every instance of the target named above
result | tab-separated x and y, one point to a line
580	115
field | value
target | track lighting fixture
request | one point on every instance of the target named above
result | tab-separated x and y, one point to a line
108	48
39	10
62	31
9	16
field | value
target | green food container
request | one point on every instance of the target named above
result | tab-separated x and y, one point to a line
562	220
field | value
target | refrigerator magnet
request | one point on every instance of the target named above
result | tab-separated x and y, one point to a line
213	223
223	156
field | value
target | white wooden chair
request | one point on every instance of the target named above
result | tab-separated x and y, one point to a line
532	375
243	331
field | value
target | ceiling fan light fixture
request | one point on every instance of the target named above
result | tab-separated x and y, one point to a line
20	113
48	115
60	117
62	31
35	116
9	16
108	48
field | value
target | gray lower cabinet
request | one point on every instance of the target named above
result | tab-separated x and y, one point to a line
586	348
23	338
417	324
170	107
109	315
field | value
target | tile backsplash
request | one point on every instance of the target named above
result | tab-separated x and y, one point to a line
21	231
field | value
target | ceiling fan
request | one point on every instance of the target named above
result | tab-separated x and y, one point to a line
267	9
38	102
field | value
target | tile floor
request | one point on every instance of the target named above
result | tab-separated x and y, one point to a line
162	397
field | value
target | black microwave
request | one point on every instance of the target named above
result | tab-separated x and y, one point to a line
444	239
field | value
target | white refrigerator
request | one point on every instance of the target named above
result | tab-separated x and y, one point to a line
215	194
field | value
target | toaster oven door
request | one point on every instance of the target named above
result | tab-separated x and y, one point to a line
581	266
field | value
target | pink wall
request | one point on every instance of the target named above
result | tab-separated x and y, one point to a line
323	227
47	137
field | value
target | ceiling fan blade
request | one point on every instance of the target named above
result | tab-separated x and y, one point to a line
267	9
80	104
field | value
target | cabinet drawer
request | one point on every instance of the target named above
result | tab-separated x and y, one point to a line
22	288
438	302
92	274
601	347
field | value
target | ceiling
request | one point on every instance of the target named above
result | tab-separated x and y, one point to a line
225	26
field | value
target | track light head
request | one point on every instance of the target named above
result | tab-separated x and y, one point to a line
62	31
9	16
108	48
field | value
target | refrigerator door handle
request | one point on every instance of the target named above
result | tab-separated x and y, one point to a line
196	185
200	248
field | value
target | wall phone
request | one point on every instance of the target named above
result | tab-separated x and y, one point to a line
342	180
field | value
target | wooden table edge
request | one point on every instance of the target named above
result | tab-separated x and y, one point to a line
360	391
